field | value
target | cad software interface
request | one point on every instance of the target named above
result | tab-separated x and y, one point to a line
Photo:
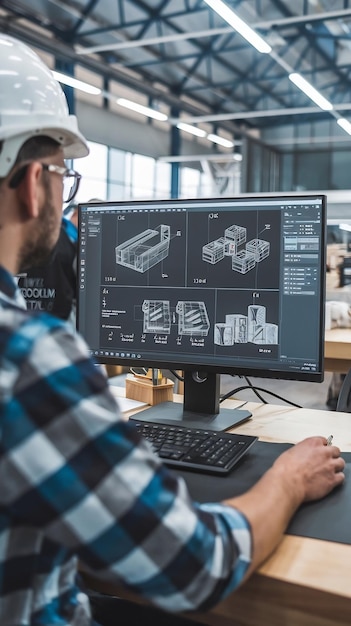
222	282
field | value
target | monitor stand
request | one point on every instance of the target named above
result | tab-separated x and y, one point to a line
201	407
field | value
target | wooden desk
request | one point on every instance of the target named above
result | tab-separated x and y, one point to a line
337	350
306	582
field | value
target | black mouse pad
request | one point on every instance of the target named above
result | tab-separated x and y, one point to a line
328	519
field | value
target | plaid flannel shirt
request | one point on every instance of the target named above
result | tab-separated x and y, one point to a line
79	485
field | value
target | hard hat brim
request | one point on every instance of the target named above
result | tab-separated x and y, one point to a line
65	132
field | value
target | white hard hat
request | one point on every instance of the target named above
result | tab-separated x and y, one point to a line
32	103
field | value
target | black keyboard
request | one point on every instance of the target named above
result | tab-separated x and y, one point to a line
199	450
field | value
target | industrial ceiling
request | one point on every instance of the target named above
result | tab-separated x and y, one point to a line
183	56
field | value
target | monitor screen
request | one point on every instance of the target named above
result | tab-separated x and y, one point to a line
206	286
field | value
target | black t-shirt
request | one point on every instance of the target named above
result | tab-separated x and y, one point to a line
52	287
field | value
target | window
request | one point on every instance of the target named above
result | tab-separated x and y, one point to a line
119	178
162	180
143	176
93	169
190	180
112	174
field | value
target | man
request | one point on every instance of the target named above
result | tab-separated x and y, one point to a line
77	482
52	286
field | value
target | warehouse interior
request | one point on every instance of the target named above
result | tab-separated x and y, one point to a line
226	118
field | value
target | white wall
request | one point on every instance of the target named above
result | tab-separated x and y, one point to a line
103	126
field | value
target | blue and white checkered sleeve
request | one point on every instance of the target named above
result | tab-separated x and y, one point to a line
84	476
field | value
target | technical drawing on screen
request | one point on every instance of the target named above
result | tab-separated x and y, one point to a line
223	285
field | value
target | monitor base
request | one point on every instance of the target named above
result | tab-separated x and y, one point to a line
173	413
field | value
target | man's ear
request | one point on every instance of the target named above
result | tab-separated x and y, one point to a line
30	190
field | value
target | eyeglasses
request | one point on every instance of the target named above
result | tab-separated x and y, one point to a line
71	179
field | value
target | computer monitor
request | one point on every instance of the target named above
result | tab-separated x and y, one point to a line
208	287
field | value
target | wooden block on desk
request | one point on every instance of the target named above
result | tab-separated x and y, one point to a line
145	391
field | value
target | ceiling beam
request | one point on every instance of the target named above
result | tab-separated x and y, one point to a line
143	43
188	158
246	115
265	25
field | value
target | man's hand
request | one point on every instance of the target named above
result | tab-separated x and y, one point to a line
317	467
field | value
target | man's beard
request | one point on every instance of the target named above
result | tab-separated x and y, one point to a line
40	249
